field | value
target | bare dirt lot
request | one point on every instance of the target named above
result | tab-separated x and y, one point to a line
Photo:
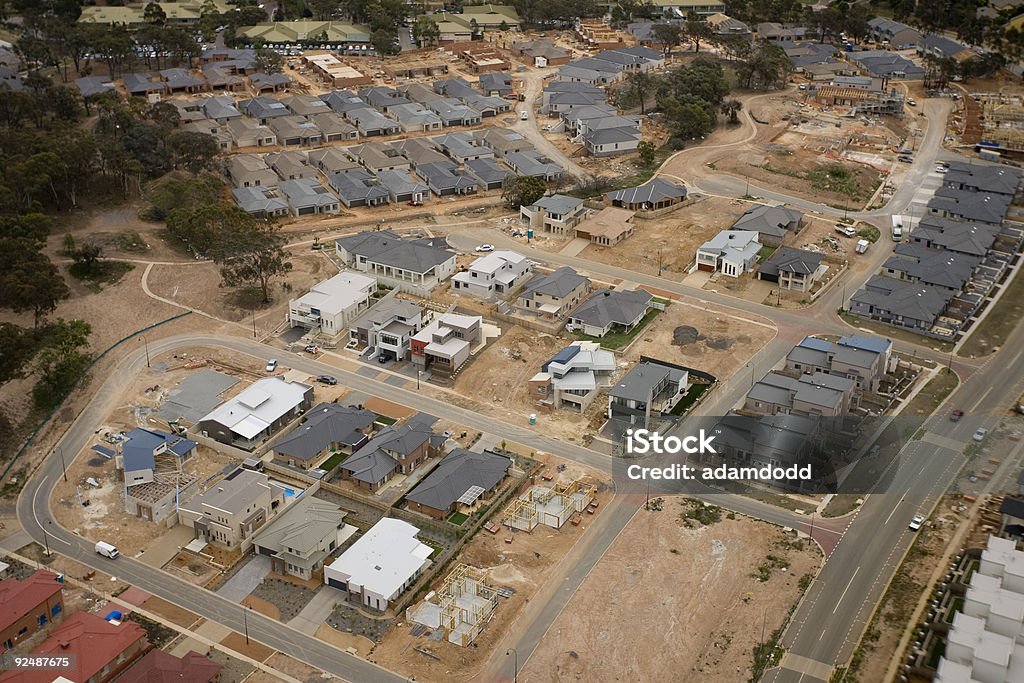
676	234
669	602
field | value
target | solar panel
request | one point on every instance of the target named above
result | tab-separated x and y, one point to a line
471	494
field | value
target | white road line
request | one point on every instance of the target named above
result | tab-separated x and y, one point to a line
983	397
35	495
840	600
894	507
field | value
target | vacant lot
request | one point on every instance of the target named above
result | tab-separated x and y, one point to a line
671	603
991	333
675	235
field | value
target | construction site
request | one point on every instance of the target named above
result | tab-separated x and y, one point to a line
550	504
995	120
462	606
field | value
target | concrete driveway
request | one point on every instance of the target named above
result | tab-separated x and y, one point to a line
316	610
246	579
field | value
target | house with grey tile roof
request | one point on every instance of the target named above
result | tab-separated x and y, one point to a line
865	360
290	165
487	106
562	102
462	147
223	77
606	142
419	151
488	173
883	64
213	129
303	536
250	133
503	141
792	269
419	92
606	310
414	265
220	109
771	223
934	267
730	252
402	188
260	201
656	193
331	160
294	130
307	197
976	178
379	156
260	83
901	304
445	178
813	395
383	99
453	87
263	108
305	105
553	296
899	36
387	327
533	163
414	117
393	450
333	127
542	52
495	84
91	86
233	509
960	237
460	483
249	170
558	214
771	440
649	389
10	79
356	187
372	123
142	84
966	205
344	101
576	117
326	428
454	113
181	81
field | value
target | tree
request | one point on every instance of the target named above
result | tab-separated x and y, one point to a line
523	191
32	283
384	41
731	108
201	229
696	30
16	350
689	117
269	61
252	254
193	151
154	14
638	87
647	152
63	363
425	31
86	259
668	36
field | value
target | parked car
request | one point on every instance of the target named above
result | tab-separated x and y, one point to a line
327	379
271	365
941	169
846	230
413	202
916	523
979	434
905	160
911	102
382	359
485	247
956	415
523	115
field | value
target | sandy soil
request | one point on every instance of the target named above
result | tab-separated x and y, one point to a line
666	599
172	613
676	234
288	666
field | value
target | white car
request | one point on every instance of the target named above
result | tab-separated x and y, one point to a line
271	365
485	247
979	434
916	522
523	116
941	169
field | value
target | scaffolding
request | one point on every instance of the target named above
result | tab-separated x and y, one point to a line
462	605
551	505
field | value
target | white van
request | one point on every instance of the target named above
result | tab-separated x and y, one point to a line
897	228
106	550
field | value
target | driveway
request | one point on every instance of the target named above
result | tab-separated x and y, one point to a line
316	610
245	579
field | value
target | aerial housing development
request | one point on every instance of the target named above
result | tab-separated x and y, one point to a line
381	342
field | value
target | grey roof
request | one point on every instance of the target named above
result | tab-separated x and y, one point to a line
455	474
367	119
487	170
419	151
305	105
331	160
959	236
781	433
141	83
461	145
262	80
91	86
947	47
932	266
450	109
502	140
400	183
572	86
643	52
532	163
496	81
307	192
373	462
332	124
453	87
195	396
263	107
596	64
910	300
420	92
258	199
326	424
607	307
995	179
137	453
640	382
557	284
444	175
605	136
767	220
300	528
653	191
234	493
357	185
882	63
585	112
388	248
220	108
383	97
181	78
342	101
971	206
789	260
385	310
415	113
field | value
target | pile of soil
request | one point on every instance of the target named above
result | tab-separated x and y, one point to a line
722	344
684	335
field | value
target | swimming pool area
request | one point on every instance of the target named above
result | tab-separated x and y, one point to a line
290	490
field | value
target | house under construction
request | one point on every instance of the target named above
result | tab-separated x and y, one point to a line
462	606
1001	121
551	505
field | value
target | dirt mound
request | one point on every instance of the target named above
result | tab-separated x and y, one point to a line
721	344
684	335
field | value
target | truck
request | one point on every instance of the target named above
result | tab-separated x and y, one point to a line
862	246
897	228
106	550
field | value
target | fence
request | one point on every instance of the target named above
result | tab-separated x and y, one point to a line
31	437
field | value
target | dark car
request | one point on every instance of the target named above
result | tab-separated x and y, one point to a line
327	379
956	415
382	359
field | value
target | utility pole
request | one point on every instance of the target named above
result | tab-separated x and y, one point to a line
145	344
254	325
245	623
515	663
63	466
46	541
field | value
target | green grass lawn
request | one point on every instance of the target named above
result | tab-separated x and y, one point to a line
333	461
458	518
616	340
765	253
689	398
385	420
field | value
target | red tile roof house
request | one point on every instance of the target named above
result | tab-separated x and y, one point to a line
161	667
99	649
28	605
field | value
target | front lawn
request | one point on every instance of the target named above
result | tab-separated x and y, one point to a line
616	340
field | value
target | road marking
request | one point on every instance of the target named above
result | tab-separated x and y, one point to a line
35	495
894	507
983	397
840	600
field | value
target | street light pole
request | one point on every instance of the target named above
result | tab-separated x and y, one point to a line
515	663
63	466
418	373
245	623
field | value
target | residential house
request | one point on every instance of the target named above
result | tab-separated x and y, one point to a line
144	85
503	141
443	345
331	160
767	441
381	564
554	295
92	86
260	201
419	151
307	197
575	117
327	428
730	252
865	360
344	101
966	205
460	483
290	165
607	227
495	84
487	173
653	195
295	131
329	306
250	170
388	326
358	188
380	156
402	189
414	117
98	650
27	605
1000	179
542	53
305	105
611	141
933	267
347	38
819	394
231	511
649	389
771	223
224	77
383	99
393	450
250	133
493	276
260	83
333	127
971	239
371	123
893	34
158	666
533	163
444	178
181	81
452	112
257	413
299	539
142	447
263	109
416	265
606	310
793	269
936	45
462	147
220	109
561	86
573	376
724	25
884	64
773	32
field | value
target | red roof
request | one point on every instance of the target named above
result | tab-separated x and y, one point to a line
94	642
18	598
160	667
